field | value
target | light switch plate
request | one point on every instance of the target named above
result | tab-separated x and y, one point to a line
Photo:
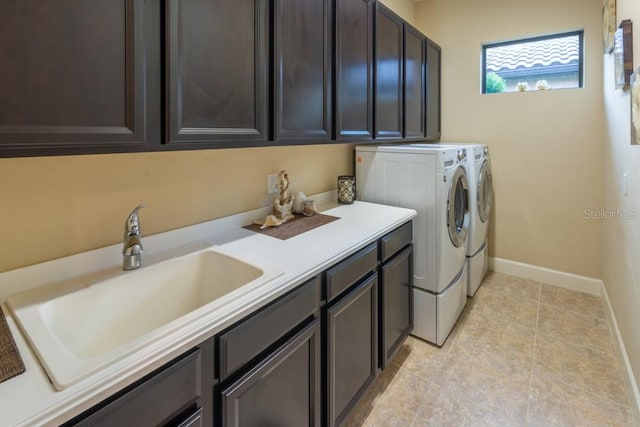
272	183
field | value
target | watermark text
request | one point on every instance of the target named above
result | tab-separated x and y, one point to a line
612	214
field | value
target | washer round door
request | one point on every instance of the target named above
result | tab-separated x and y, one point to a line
485	191
458	208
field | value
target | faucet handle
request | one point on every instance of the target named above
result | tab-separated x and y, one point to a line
132	225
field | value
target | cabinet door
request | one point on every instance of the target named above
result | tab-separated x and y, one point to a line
415	62
433	91
354	70
217	72
388	74
352	331
302	74
282	390
73	76
396	304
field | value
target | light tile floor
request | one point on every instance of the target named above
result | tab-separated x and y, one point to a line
523	353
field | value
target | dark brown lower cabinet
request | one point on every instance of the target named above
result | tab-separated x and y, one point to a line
351	348
196	419
396	303
303	360
282	390
172	395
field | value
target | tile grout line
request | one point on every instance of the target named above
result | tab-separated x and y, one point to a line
438	372
533	354
570	310
456	341
577	344
576	386
581	344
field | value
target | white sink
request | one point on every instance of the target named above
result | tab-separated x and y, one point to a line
77	329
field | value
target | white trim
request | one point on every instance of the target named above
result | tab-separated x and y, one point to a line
570	281
589	285
629	378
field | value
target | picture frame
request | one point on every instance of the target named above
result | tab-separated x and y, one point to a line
623	54
635	107
608	24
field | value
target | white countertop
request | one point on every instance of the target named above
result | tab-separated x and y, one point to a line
29	399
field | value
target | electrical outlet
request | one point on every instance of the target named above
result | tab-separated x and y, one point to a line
272	183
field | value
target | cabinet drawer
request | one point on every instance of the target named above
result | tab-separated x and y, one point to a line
155	400
344	274
249	338
396	240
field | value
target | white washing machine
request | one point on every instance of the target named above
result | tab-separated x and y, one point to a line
431	179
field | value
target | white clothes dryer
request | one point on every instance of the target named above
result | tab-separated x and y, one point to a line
480	203
478	167
431	179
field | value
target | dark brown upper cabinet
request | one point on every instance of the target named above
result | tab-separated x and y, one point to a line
216	71
354	70
415	61
73	77
302	71
388	74
107	76
433	91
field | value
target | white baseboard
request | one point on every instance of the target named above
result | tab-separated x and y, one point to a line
630	382
589	285
570	281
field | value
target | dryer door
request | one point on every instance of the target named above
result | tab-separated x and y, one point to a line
458	208
485	191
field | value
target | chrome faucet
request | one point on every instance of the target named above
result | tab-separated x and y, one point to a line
132	250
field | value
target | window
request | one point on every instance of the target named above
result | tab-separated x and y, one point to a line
537	63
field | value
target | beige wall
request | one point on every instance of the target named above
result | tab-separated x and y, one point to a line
622	234
546	146
57	206
404	8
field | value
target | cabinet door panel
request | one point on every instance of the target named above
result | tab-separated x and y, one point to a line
397	302
433	91
282	390
414	82
388	72
354	69
302	69
217	70
74	77
351	348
